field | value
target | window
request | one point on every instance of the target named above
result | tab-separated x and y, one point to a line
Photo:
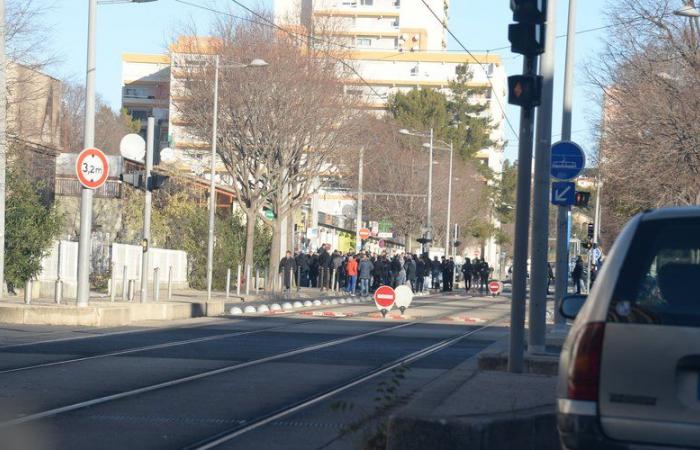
659	278
364	42
366	2
415	70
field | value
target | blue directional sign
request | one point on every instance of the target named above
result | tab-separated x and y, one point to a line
563	193
568	160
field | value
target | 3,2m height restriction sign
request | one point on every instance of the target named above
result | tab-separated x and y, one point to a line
92	168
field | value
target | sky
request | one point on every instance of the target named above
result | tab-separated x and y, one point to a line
479	25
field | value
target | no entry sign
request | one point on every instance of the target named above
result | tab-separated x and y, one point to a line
92	168
495	287
364	234
384	297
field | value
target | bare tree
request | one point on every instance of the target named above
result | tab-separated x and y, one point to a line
650	127
279	126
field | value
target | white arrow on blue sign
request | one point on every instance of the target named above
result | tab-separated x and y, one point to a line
568	160
563	193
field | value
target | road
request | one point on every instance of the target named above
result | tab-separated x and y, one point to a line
282	381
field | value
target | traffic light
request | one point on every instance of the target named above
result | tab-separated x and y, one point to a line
157	181
582	199
526	38
525	90
135	179
529	11
591	230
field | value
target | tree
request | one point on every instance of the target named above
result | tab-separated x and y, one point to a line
470	129
650	127
279	126
30	226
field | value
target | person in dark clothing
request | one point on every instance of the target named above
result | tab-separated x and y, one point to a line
386	271
448	274
467	274
303	268
313	270
288	267
337	262
411	271
325	264
577	274
435	273
485	274
443	271
420	274
377	273
396	267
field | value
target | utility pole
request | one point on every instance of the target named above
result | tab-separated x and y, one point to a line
358	219
212	186
84	247
562	260
540	212
3	145
146	242
429	224
525	91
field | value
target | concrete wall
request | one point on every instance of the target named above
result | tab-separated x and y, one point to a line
122	255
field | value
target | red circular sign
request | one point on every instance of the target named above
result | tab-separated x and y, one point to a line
92	168
384	297
364	234
495	287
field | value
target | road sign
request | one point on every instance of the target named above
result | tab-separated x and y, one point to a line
568	160
382	244
365	234
384	298
595	254
495	287
563	193
404	297
92	168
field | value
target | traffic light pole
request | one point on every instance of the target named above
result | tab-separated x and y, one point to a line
522	220
562	258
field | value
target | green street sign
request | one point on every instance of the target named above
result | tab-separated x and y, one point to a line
269	214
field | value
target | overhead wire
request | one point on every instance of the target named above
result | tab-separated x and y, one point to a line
483	67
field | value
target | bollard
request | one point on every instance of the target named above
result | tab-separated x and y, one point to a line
228	282
247	281
112	287
125	282
280	282
298	280
238	281
28	292
170	283
334	273
58	291
156	284
257	280
132	284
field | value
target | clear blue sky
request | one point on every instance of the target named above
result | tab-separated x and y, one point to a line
480	25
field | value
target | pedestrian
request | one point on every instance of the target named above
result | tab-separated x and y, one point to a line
420	274
550	276
313	269
351	270
337	262
577	274
449	275
485	274
411	271
435	273
325	262
396	268
303	268
365	272
287	268
467	274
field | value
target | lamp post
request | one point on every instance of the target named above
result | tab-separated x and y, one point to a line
212	174
692	13
429	220
84	246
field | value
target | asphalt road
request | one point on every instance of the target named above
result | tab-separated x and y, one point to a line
260	382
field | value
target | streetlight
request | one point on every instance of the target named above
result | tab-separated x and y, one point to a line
692	13
446	147
84	246
429	225
212	187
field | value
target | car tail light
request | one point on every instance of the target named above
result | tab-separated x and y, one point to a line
584	366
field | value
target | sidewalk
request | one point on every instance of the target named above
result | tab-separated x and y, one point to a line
471	407
102	312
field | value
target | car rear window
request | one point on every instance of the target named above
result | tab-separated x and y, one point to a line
660	279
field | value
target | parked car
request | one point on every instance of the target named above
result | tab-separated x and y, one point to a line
629	373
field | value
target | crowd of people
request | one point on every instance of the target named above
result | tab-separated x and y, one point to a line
363	272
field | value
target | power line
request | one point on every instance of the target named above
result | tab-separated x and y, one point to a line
498	100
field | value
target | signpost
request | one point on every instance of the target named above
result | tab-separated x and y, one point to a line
495	287
384	298
404	297
563	193
92	168
568	160
365	233
382	244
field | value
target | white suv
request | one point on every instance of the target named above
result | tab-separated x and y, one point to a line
629	373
